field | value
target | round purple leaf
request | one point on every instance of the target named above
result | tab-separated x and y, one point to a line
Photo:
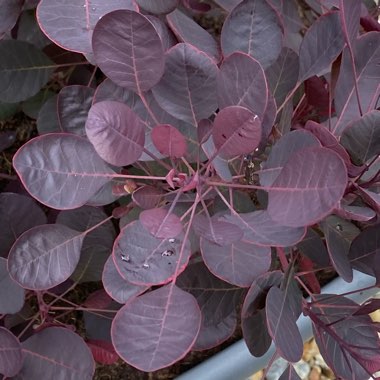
129	50
116	132
169	141
147	196
11	358
160	223
158	6
236	131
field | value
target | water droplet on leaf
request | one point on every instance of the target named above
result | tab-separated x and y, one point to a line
145	265
125	258
167	252
172	240
339	227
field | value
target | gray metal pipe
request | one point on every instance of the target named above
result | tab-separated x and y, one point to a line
236	362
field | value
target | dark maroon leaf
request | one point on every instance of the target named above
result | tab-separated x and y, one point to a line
116	286
162	324
18	214
7	138
147	196
116	132
327	139
187	89
236	131
289	374
24	69
253	27
146	260
358	213
228	5
308	188
371	198
99	299
339	234
317	94
282	325
350	19
169	141
11	358
239	263
61	171
161	223
364	250
45	256
322	43
73	105
220	164
282	75
10	10
260	229
97	245
313	247
158	6
217	300
11	293
74	27
367	54
349	345
29	30
269	118
281	153
361	138
128	50
253	314
242	82
218	232
187	30
70	359
102	351
368	307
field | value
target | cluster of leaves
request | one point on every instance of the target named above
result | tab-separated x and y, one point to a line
236	167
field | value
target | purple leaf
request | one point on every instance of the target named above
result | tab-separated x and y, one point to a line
169	141
97	245
73	105
308	188
128	50
10	10
282	75
365	249
61	171
218	232
47	120
161	223
239	263
11	293
7	139
289	374
260	229
220	164
70	24
281	153
269	118
162	324
18	214
24	69
350	19
102	351
217	300
339	234
253	314
282	325
11	358
45	256
242	82
146	260
349	345
366	51
116	132
236	131
228	5
168	39
187	30
253	27
358	213
187	89
70	359
116	286
158	6
147	196
361	138
327	139
322	43
371	198
108	90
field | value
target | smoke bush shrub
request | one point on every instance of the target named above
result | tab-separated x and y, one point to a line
233	168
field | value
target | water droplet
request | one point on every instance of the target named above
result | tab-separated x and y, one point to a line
172	240
93	8
125	258
167	252
100	17
257	149
84	5
339	227
145	265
